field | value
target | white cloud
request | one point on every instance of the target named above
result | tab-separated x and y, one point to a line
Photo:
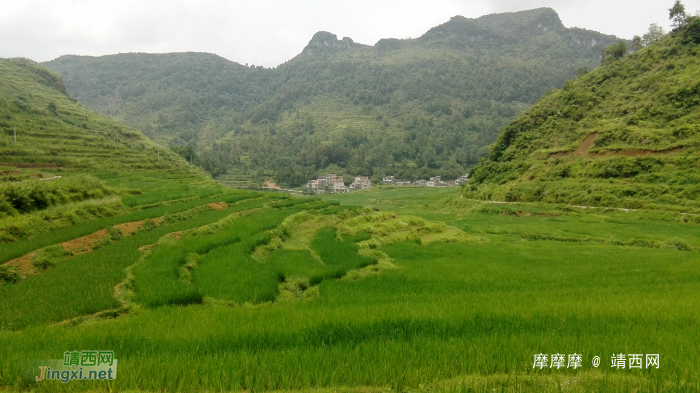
269	32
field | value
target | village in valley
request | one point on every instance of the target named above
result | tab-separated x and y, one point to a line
335	184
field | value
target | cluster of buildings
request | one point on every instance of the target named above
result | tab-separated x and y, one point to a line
433	182
334	184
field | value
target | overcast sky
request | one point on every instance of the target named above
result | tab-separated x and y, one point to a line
269	32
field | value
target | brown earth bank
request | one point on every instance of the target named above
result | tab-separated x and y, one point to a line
127	229
272	185
85	244
25	264
176	235
218	205
586	145
584	150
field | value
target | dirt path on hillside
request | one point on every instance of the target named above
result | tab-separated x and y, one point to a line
584	150
585	146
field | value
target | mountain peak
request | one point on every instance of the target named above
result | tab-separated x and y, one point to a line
509	24
40	74
324	40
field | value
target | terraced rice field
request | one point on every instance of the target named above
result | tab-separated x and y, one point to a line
413	291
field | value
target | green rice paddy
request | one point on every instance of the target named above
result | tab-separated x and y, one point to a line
303	294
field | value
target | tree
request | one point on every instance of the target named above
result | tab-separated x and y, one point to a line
654	34
691	32
677	15
187	152
637	43
614	52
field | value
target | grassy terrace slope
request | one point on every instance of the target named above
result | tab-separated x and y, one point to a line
626	134
67	164
410	108
54	130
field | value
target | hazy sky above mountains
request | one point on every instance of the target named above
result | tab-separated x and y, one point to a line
269	32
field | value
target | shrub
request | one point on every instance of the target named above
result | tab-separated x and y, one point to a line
5	207
48	256
10	274
33	195
679	244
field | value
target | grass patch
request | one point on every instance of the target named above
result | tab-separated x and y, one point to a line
226	276
339	255
229	273
299	264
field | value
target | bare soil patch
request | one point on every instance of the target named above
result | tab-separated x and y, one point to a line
25	264
269	184
176	235
85	244
218	205
127	229
582	149
146	247
586	145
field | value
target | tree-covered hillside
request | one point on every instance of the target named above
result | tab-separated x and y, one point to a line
409	108
40	124
626	134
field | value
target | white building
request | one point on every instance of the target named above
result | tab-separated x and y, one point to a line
361	183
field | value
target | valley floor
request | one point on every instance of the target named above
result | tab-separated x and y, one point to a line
266	293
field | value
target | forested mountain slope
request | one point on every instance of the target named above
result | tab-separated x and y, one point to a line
52	129
626	134
409	108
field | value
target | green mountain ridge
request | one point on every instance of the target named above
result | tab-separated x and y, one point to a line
410	108
54	130
626	134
